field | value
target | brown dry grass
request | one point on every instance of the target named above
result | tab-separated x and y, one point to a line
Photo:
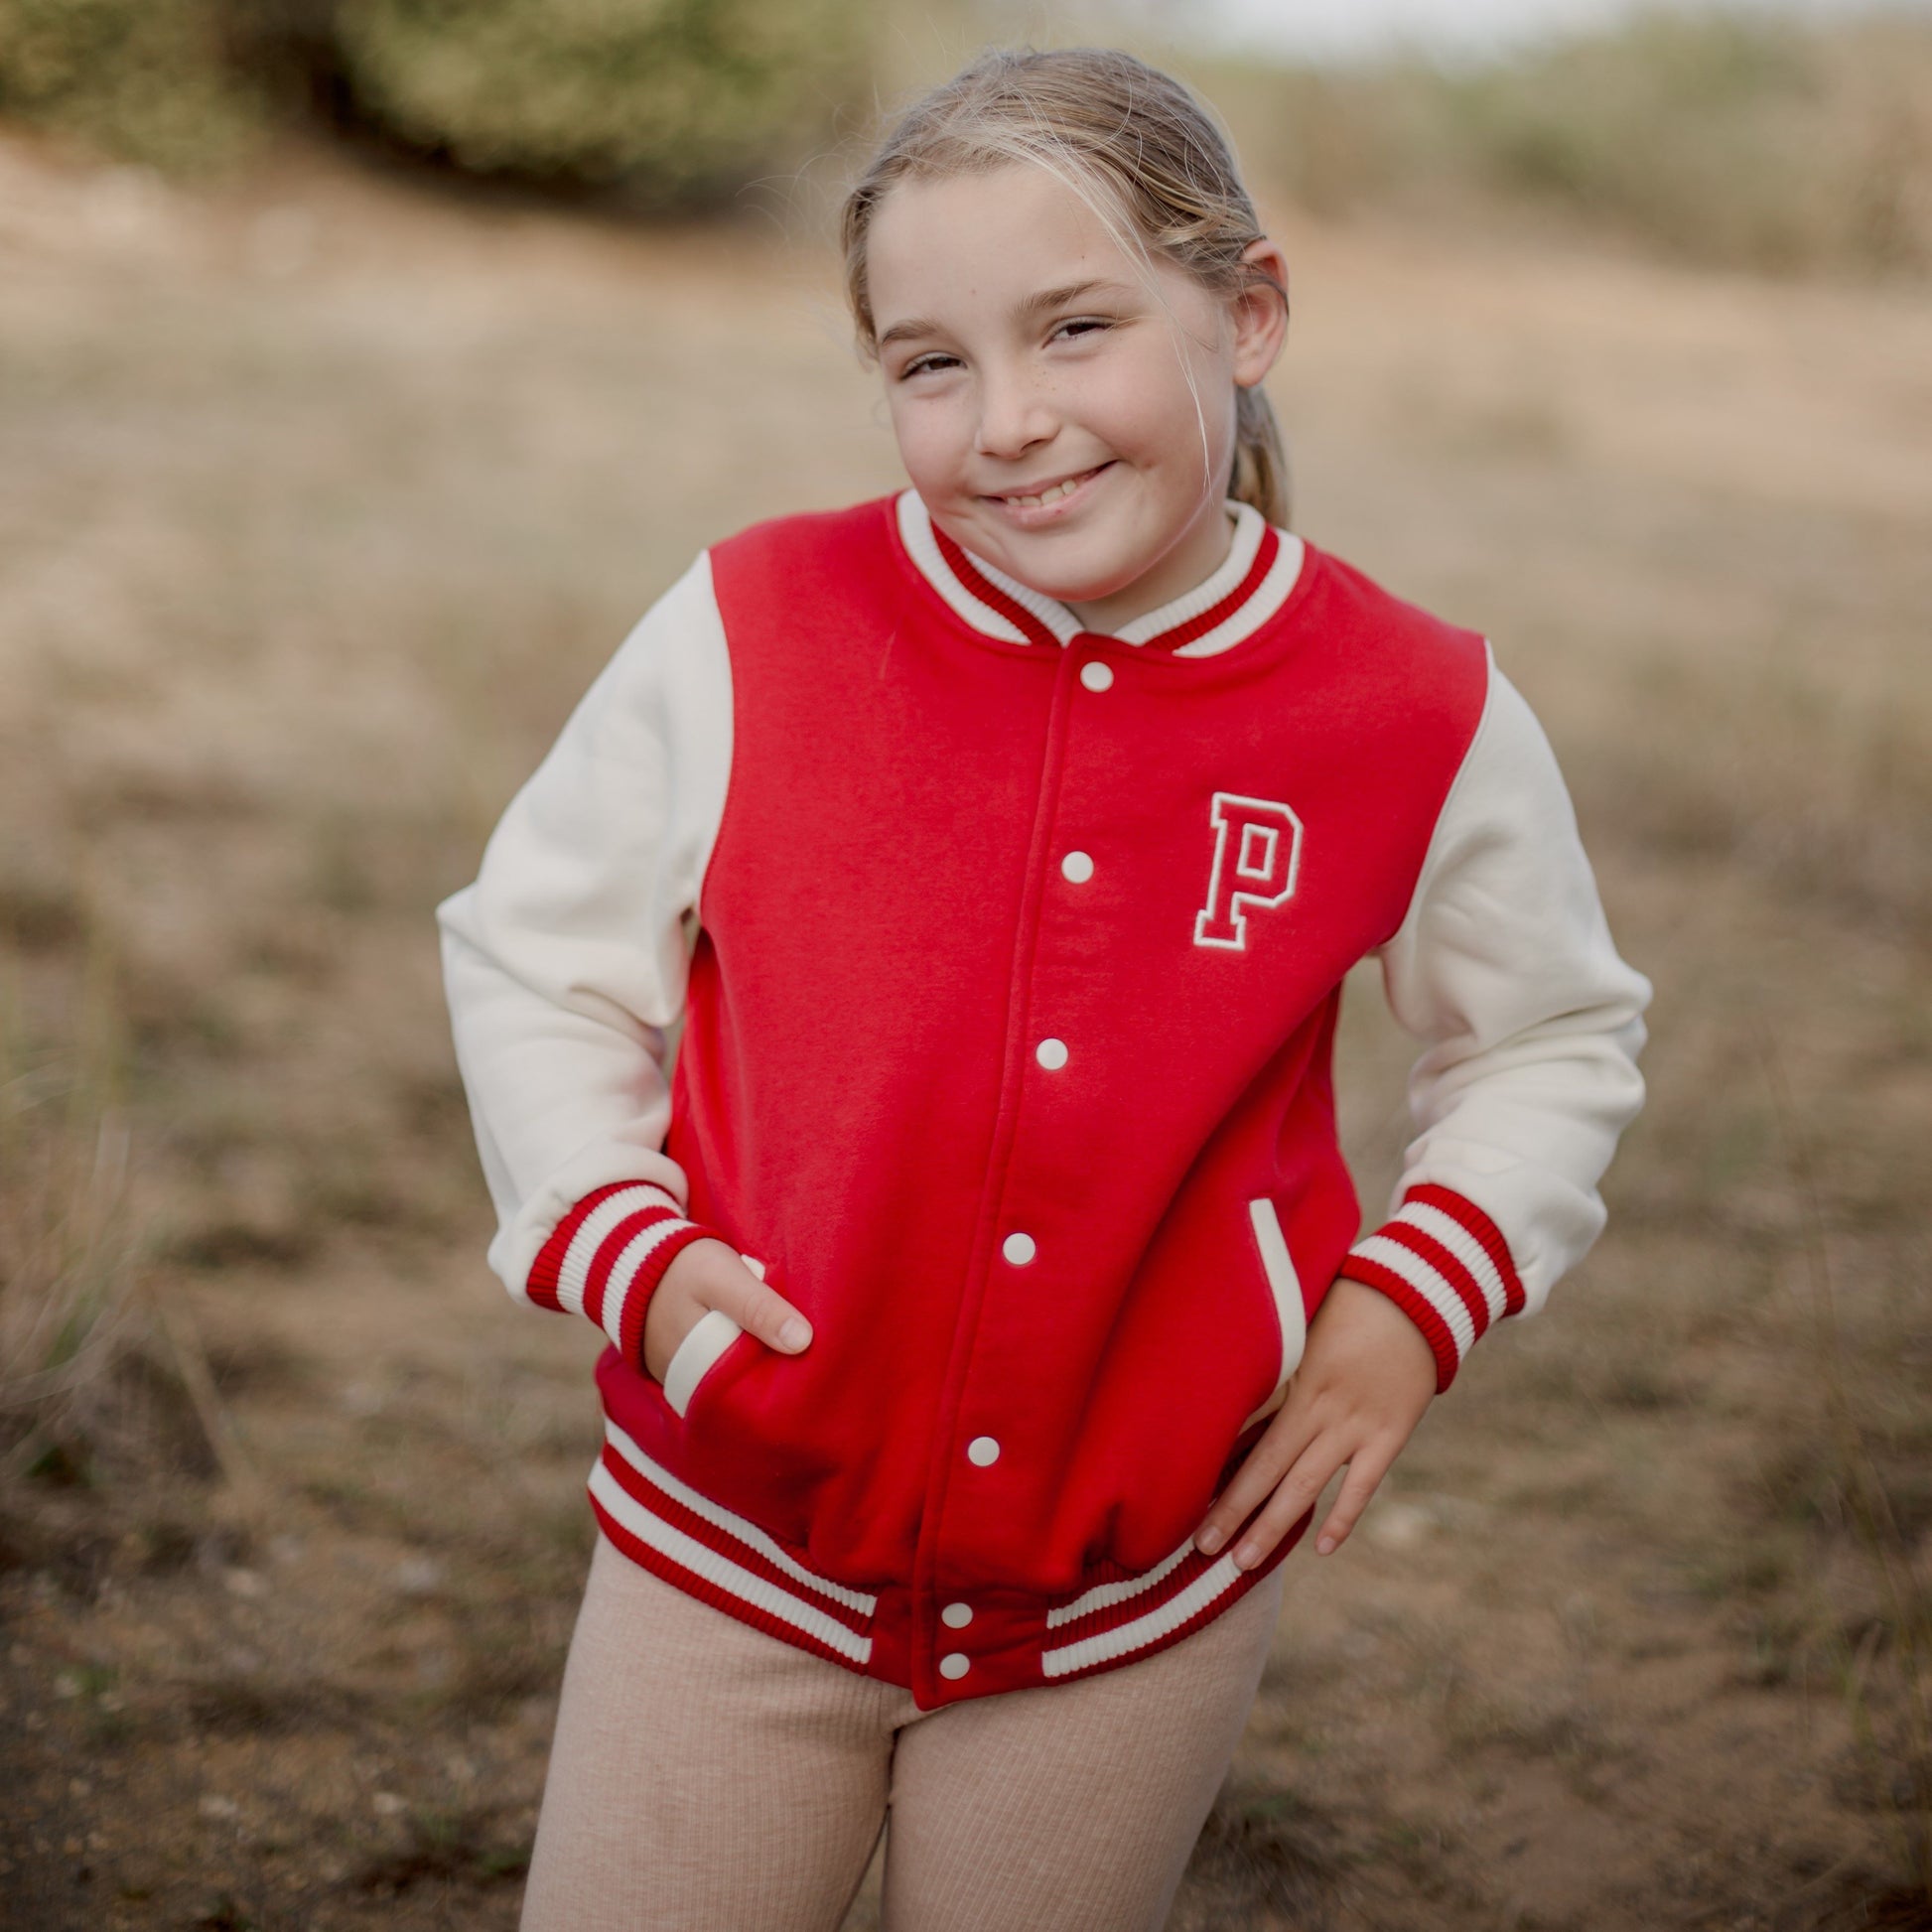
320	505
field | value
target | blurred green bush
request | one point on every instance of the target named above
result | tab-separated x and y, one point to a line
1761	143
677	100
677	97
146	79
1755	143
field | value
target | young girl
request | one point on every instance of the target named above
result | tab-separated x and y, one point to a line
985	1306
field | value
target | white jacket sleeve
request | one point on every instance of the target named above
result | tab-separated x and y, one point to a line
1505	967
566	963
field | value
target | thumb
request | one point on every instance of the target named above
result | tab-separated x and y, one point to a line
762	1312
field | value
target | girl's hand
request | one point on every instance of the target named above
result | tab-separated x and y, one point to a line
709	1275
1363	1385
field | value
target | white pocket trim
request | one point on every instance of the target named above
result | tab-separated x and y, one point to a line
1278	1266
697	1353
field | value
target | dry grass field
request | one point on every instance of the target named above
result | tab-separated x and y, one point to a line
320	503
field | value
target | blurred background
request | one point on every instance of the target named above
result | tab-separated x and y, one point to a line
366	367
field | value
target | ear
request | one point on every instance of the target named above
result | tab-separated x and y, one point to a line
1259	314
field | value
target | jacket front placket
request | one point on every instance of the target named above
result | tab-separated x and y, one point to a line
991	1458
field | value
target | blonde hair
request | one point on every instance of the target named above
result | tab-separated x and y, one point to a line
1118	132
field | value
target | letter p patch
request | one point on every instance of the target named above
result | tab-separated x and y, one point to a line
1257	854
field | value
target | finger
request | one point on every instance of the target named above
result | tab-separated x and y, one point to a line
1293	1498
1266	1463
762	1312
1366	1468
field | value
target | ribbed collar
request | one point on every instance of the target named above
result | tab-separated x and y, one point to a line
1221	612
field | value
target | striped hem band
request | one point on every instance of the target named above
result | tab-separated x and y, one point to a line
729	1562
723	1558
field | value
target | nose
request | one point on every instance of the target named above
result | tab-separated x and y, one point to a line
1013	415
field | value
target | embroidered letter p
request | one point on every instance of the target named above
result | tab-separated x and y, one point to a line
1257	853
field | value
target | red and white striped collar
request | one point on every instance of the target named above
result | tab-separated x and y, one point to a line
1219	613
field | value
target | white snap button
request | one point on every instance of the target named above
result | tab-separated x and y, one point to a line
956	1664
1052	1055
956	1616
983	1451
1078	867
1018	1249
1097	676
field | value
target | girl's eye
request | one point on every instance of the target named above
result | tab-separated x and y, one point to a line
938	362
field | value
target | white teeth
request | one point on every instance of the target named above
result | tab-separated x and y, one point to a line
1046	496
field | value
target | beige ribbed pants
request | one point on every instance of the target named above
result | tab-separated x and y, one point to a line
706	1777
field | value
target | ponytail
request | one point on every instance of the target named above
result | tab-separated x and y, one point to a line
1260	457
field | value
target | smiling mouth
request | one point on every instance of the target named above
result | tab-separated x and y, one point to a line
1054	491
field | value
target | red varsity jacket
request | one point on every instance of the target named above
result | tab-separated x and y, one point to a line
1008	957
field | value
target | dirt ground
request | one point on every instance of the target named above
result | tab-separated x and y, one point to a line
321	503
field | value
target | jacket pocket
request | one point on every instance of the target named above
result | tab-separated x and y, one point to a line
696	1355
1284	1287
701	1350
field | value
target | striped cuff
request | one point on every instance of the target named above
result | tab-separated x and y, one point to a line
1445	1263
606	1257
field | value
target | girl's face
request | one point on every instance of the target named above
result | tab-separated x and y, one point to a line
1040	389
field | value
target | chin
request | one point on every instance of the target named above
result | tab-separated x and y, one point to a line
1073	591
1068	580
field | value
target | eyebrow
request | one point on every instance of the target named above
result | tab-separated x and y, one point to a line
1025	311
